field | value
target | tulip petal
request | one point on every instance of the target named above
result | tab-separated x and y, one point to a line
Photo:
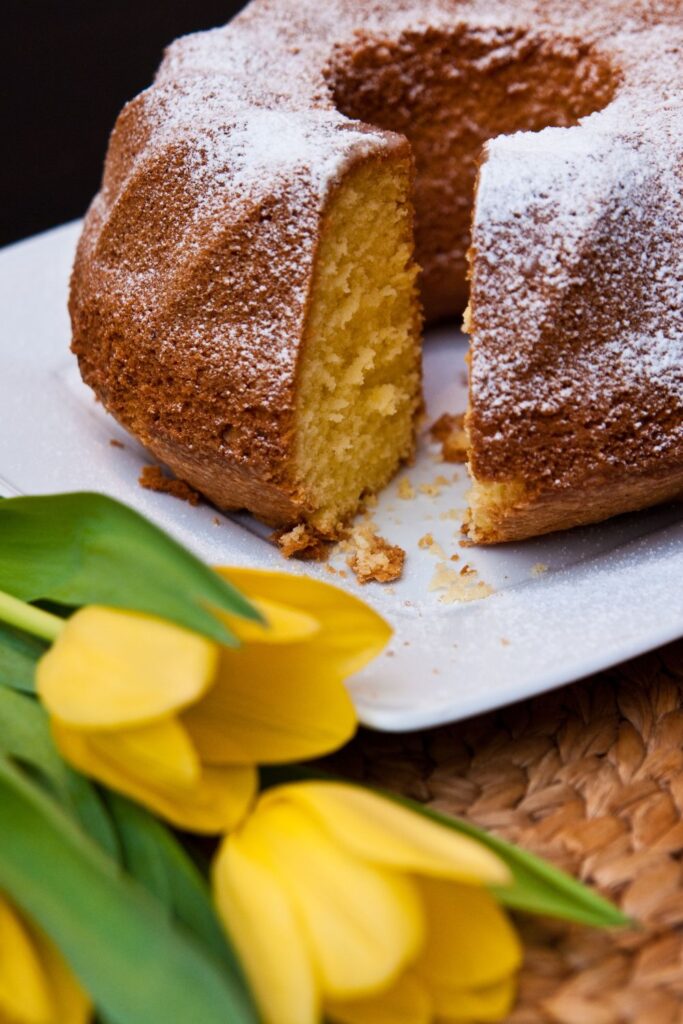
270	704
161	753
283	700
350	635
24	992
272	948
111	668
492	1003
216	802
284	624
362	924
406	1002
470	943
70	1004
381	831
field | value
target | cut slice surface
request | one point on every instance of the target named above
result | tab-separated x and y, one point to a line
359	378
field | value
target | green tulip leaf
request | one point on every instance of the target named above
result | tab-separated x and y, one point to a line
536	887
18	656
153	855
139	966
25	738
141	855
85	548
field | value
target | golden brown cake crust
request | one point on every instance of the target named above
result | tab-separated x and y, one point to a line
548	511
200	358
194	272
576	315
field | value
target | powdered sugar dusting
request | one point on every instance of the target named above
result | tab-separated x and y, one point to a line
263	176
221	171
580	230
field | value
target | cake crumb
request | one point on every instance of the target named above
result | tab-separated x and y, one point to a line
450	431
538	569
216	521
405	489
115	443
301	542
427	543
504	641
435	487
372	558
153	478
457	587
442	427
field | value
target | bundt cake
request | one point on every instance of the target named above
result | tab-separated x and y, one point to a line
246	294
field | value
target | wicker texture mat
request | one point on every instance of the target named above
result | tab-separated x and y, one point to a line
590	777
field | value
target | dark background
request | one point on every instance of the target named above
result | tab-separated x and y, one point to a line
66	69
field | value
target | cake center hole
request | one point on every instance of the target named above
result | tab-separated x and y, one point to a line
450	91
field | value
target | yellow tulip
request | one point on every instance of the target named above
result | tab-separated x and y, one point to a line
36	986
345	905
179	724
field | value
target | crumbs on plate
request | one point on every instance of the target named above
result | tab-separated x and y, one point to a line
405	489
301	541
371	557
153	478
458	585
450	431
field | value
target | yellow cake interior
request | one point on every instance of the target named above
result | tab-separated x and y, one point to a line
489	502
359	376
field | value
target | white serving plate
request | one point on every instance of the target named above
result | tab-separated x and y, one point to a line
609	591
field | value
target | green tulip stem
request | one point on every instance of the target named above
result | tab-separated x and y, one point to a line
29	618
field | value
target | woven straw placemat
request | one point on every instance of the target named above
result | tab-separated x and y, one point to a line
591	777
